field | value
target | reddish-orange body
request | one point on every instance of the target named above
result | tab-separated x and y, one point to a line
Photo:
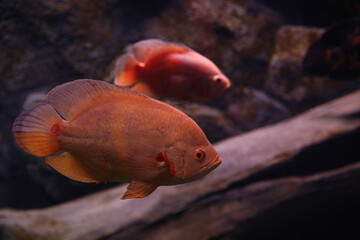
115	134
169	70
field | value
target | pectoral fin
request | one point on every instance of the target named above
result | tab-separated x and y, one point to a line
139	189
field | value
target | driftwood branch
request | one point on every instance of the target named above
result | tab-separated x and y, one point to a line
257	175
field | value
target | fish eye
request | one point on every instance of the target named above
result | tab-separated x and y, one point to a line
199	154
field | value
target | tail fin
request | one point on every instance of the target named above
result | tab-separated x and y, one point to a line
126	70
127	74
37	128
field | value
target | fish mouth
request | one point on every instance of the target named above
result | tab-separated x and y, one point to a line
213	164
227	84
203	171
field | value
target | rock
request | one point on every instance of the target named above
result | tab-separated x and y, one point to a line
285	78
212	121
311	13
253	108
292	163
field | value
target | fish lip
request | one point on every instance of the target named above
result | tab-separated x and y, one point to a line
213	164
228	84
225	80
205	169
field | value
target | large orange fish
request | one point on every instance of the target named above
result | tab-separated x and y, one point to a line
169	70
93	131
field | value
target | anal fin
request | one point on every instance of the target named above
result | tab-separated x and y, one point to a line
139	189
71	167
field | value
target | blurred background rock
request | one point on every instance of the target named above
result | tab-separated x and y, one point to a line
259	45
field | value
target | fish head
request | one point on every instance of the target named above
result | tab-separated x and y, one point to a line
218	83
317	60
192	155
199	161
210	82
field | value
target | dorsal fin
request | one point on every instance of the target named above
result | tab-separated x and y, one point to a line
144	49
70	98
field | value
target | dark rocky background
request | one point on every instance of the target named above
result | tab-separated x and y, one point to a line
259	45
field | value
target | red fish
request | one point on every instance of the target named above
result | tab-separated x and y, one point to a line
169	70
93	131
